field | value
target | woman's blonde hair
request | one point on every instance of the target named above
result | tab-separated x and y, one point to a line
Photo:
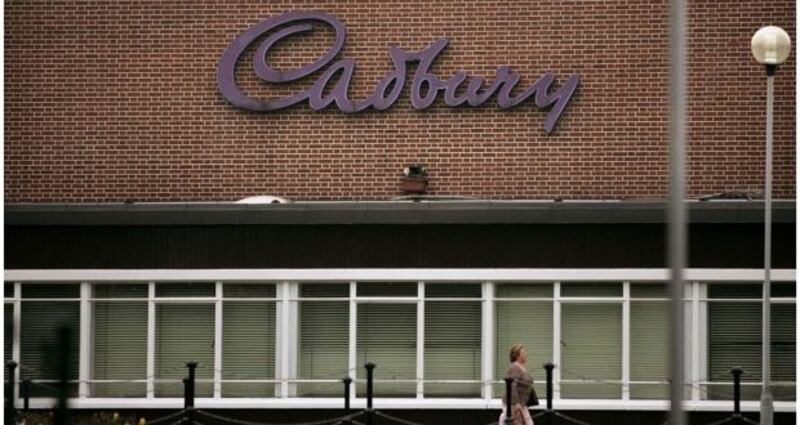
516	351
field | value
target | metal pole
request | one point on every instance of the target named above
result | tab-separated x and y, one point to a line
370	368
677	212
766	392
737	394
10	410
548	367
509	411
25	391
347	381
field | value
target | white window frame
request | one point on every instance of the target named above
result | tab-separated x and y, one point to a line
286	364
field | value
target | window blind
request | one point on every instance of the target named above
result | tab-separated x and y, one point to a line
40	356
591	349
323	346
649	349
386	336
452	347
120	348
184	332
734	340
525	322
248	348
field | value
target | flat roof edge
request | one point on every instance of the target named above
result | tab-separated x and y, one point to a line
365	213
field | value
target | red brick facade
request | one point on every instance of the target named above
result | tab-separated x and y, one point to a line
113	101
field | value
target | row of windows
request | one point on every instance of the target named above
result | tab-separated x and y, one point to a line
426	338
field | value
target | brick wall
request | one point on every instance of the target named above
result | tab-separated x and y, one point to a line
118	101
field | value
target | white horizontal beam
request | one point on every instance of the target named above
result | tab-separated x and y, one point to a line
366	275
396	403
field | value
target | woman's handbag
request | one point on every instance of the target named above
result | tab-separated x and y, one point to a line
533	399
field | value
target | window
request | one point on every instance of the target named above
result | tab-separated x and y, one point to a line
649	341
452	340
248	340
387	336
523	314
8	336
184	333
734	340
591	342
119	340
323	340
49	336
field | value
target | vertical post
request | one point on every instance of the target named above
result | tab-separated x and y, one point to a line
370	368
10	411
188	402
548	367
347	381
191	366
509	411
62	414
737	394
25	393
766	391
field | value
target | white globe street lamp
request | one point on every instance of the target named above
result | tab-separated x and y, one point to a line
771	46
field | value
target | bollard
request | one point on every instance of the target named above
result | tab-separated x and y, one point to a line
347	381
10	408
370	368
62	414
548	368
737	395
509	410
25	393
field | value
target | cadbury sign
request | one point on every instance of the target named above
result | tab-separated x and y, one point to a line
459	89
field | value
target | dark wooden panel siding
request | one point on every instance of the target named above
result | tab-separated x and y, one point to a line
391	246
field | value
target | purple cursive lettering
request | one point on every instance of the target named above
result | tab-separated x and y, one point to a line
335	80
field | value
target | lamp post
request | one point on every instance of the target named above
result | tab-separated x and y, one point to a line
771	46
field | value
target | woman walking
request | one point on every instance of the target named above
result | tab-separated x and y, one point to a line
520	387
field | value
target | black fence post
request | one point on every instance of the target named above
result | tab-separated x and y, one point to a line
548	368
65	337
737	395
347	381
370	368
509	411
10	409
25	393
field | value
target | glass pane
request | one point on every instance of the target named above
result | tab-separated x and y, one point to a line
120	348
735	290
734	340
387	336
187	289
247	290
452	348
591	349
319	290
248	347
184	332
323	347
516	290
114	290
44	355
591	290
387	289
783	290
649	325
649	290
446	290
784	349
50	290
527	323
8	290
